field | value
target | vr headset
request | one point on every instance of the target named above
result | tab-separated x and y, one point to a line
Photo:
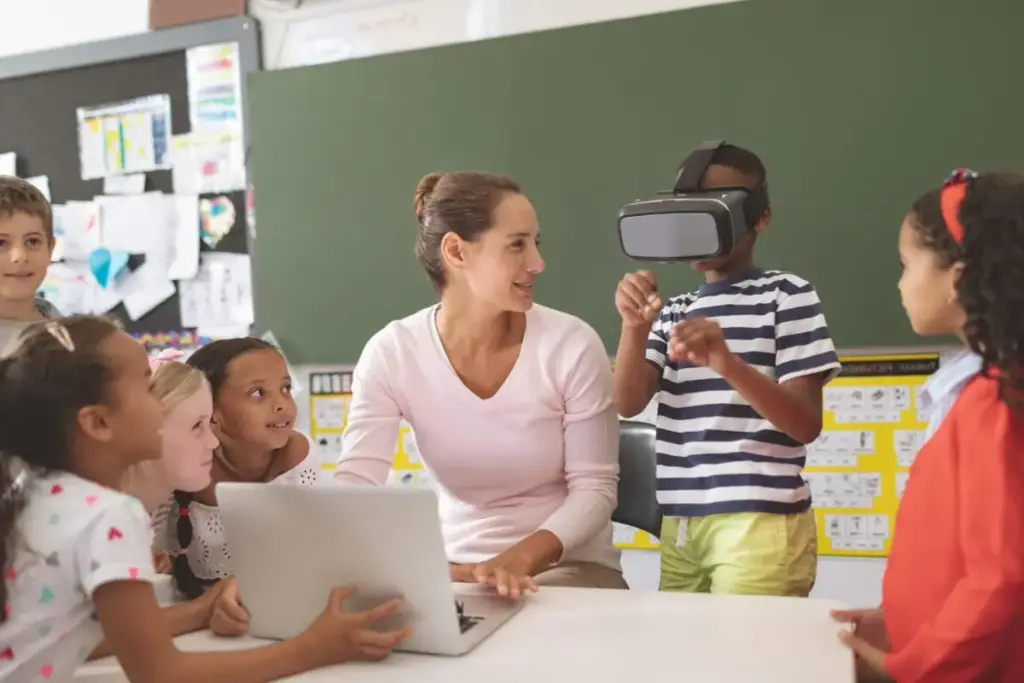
690	224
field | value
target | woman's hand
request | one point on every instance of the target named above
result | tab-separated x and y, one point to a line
512	571
869	641
508	572
228	617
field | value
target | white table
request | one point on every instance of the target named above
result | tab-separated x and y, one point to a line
610	636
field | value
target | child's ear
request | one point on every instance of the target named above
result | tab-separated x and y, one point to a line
765	222
94	422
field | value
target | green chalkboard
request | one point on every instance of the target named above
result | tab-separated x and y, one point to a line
855	106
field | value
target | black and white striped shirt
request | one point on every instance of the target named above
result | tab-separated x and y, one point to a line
716	454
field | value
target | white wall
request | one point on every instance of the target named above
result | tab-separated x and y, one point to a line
33	25
323	30
326	30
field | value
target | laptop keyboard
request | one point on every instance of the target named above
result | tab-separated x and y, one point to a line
466	621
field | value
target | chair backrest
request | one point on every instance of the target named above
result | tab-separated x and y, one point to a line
638	501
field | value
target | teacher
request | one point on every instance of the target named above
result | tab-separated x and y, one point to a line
510	401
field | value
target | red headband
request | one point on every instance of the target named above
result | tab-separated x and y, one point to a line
953	192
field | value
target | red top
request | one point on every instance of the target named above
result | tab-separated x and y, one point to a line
953	592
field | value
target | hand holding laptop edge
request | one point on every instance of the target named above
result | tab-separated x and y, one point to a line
338	636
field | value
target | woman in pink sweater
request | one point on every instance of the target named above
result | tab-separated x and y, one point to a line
510	401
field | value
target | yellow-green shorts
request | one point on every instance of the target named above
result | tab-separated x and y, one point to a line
756	553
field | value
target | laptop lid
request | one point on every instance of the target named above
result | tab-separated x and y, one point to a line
289	545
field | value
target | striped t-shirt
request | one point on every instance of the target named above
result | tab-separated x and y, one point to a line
716	454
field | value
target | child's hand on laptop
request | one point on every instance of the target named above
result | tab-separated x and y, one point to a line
228	617
341	636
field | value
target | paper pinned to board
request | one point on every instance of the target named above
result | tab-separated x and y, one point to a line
41	183
72	289
134	183
143	298
220	295
185	243
208	163
126	137
76	230
9	164
214	86
137	224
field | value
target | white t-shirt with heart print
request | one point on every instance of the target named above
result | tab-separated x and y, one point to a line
71	537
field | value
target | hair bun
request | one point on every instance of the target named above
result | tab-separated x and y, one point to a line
421	195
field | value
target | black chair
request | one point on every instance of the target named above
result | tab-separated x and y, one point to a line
638	501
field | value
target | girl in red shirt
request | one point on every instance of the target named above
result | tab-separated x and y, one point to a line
953	593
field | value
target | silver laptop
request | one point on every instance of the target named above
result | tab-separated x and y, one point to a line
289	545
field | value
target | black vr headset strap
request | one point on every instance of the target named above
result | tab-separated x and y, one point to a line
690	173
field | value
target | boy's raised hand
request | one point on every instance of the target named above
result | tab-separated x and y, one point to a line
637	300
701	342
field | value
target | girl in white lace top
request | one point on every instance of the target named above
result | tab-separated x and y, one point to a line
253	418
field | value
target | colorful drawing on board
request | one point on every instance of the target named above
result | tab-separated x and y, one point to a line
216	218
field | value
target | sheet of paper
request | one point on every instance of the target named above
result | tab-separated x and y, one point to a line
146	296
134	183
41	183
138	224
208	163
72	289
214	87
67	286
9	163
76	230
126	137
220	295
185	243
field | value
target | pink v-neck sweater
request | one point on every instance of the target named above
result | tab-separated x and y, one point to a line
542	453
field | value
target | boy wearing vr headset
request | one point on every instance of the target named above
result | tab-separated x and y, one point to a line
740	365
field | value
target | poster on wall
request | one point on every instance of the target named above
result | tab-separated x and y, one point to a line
126	137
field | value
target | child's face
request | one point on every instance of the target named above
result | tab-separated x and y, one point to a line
25	252
255	404
188	443
502	264
129	425
928	291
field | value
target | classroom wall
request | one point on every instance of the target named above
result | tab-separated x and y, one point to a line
327	30
324	30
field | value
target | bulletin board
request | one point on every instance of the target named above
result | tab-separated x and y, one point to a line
42	93
857	468
330	394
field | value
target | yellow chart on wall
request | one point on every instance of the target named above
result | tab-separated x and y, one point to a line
329	399
857	468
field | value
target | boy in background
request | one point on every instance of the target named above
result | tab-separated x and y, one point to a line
740	365
26	245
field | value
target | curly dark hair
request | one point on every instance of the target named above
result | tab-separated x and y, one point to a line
43	385
991	286
213	361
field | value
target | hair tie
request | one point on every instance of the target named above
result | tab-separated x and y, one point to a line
163	357
61	334
953	192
